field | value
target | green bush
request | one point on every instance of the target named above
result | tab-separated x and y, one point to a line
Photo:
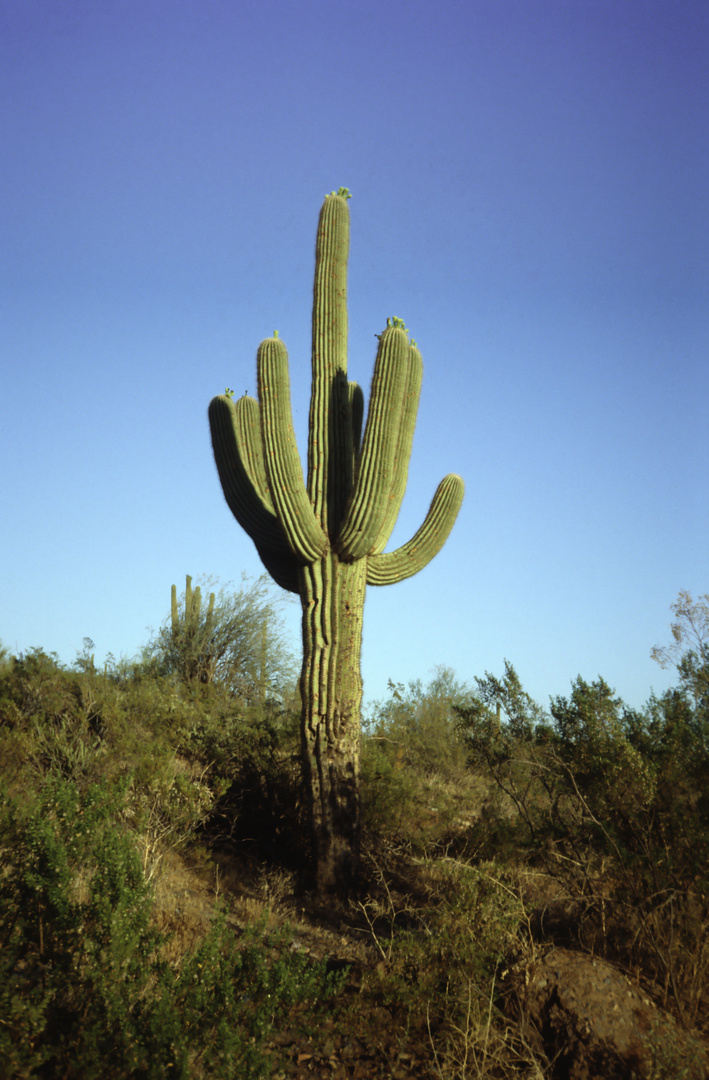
76	942
237	641
416	724
612	803
444	964
413	777
84	991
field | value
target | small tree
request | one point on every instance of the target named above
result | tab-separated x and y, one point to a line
193	637
689	651
238	642
523	716
418	723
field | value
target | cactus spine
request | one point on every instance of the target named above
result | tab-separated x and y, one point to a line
325	539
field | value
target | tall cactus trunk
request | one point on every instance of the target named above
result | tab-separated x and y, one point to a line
332	594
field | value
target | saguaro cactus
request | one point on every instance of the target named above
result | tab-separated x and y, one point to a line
190	639
325	539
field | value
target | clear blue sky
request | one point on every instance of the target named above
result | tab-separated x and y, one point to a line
530	186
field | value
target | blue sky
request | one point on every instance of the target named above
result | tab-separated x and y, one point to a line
529	184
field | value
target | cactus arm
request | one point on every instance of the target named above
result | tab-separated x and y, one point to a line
402	453
243	498
192	609
368	509
188	600
191	640
302	531
282	566
247	425
209	621
393	566
329	434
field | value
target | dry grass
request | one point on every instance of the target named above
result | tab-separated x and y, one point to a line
483	1045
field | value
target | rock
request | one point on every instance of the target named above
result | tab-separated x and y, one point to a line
595	1024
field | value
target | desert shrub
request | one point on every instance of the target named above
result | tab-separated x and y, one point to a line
214	1015
49	722
413	776
237	641
389	792
202	759
611	803
76	938
35	684
444	964
637	787
416	724
261	804
91	726
84	991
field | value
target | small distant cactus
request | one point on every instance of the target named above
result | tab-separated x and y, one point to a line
325	539
190	638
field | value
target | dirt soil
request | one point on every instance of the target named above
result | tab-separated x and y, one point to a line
586	1018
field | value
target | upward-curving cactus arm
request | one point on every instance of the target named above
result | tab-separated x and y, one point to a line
244	490
247	428
402	453
368	508
301	528
393	566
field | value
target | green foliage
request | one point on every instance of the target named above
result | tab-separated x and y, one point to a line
5	658
49	720
689	651
200	756
413	763
416	725
89	726
84	991
214	1016
239	642
443	966
105	773
612	803
523	717
76	944
473	921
